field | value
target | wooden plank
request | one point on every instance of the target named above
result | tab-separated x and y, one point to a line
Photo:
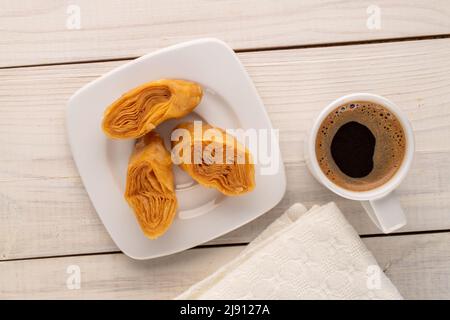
36	32
111	275
44	210
419	265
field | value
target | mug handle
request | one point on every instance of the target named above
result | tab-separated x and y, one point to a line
386	212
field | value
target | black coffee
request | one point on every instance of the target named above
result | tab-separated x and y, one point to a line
360	145
352	149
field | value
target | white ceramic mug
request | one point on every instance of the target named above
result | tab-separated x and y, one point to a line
381	203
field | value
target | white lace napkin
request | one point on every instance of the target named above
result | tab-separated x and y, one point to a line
304	254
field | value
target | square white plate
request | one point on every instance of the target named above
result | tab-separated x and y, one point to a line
230	101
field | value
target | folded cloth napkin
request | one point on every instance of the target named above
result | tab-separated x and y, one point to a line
304	254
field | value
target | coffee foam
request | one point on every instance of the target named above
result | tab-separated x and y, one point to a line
389	148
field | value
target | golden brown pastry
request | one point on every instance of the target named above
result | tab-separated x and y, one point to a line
231	171
150	187
141	109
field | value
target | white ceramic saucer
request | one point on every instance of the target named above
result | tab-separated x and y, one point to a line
230	101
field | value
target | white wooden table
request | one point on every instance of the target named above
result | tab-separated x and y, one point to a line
300	54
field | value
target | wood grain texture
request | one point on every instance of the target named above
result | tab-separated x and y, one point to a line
416	264
45	211
35	32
